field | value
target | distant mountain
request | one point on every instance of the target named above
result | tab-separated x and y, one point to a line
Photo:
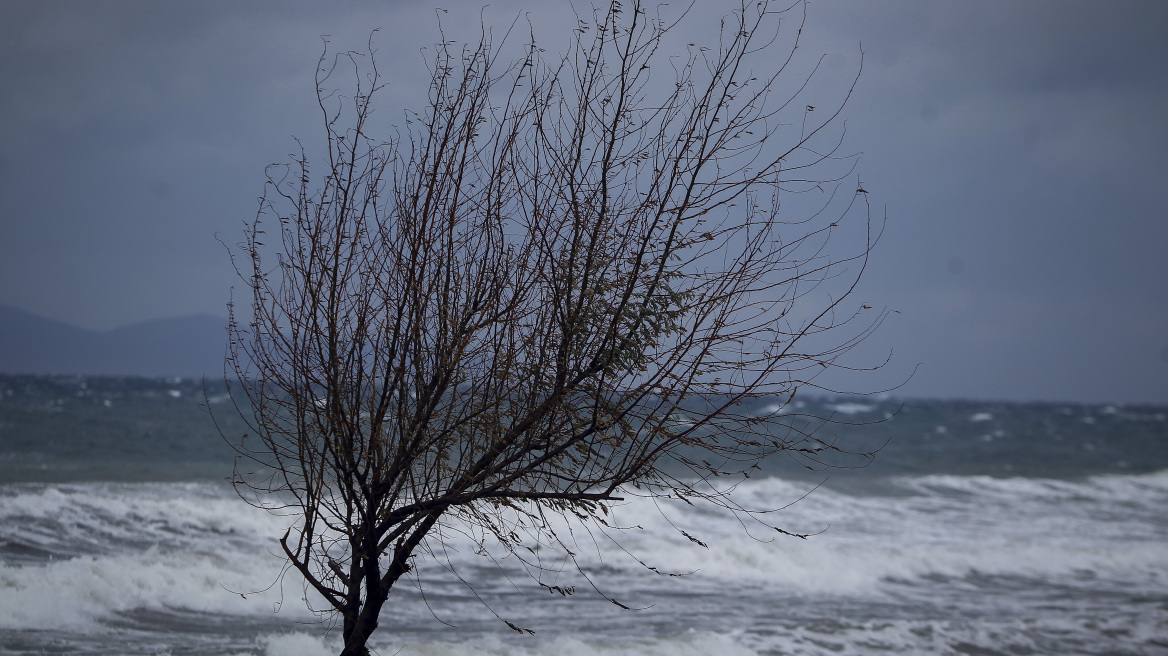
182	346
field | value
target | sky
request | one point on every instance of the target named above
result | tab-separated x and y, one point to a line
1019	149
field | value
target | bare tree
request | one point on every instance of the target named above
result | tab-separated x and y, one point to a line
555	286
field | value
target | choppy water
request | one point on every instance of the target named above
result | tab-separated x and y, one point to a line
981	528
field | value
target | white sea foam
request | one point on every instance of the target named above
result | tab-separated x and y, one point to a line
125	547
1099	633
81	519
952	525
690	643
299	644
850	408
949	526
1114	633
78	592
693	643
195	548
772	409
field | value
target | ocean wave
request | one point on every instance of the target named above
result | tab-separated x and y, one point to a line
80	592
113	548
691	643
91	519
1112	527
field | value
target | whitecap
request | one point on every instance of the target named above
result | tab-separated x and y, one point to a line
850	408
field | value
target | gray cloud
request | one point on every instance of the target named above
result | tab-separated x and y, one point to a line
1019	147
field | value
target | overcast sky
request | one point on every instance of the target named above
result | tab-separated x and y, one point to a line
1021	150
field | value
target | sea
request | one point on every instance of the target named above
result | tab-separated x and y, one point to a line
978	528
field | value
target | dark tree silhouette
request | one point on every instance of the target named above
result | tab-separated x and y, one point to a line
556	286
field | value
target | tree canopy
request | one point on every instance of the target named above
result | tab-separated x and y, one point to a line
554	286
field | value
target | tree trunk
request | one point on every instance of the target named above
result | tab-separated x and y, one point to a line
357	634
358	648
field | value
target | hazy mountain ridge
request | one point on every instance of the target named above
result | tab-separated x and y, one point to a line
179	346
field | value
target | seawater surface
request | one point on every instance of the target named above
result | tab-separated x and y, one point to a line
981	528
